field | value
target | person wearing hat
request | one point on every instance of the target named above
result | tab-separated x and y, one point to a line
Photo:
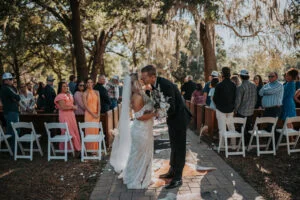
113	91
50	95
214	74
245	101
10	100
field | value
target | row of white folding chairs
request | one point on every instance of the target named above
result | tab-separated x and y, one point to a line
259	132
65	138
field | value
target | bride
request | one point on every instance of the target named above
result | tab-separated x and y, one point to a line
132	149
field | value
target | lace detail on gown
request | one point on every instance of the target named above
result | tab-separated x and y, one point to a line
137	174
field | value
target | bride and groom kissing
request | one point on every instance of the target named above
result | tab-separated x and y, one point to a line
132	149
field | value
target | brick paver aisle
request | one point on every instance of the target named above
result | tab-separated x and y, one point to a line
222	183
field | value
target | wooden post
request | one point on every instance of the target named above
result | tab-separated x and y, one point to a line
211	121
200	115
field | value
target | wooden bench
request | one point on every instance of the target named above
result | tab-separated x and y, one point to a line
211	121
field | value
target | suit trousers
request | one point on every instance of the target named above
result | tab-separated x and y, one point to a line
177	137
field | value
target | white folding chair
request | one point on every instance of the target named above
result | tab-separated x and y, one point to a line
259	132
65	138
288	132
3	138
100	138
29	137
233	134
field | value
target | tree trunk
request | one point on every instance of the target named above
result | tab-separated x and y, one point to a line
98	63
1	69
77	41
72	56
16	69
207	39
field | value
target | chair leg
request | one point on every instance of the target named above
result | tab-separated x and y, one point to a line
273	141
279	141
243	145
39	146
100	150
53	150
250	143
239	145
72	147
66	151
49	150
288	144
21	148
226	147
31	150
296	142
8	147
16	150
268	144
257	145
82	150
104	145
220	142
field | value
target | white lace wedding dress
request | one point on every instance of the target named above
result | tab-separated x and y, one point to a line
137	173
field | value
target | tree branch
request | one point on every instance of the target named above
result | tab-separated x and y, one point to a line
237	33
62	18
119	54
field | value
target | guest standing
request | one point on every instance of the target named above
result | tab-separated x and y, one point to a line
113	91
65	104
224	99
78	98
27	102
41	96
245	102
72	84
10	101
214	74
105	100
189	88
288	103
49	95
259	83
91	100
272	94
213	84
197	96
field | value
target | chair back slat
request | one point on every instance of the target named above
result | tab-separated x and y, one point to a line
27	125
263	120
292	120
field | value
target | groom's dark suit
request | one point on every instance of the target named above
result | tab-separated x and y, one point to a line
177	120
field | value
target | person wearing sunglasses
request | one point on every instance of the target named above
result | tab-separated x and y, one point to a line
78	98
272	94
10	100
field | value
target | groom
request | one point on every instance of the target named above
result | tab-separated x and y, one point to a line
178	119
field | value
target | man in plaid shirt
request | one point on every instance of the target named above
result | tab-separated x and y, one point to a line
245	101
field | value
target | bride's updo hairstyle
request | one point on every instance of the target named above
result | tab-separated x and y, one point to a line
135	83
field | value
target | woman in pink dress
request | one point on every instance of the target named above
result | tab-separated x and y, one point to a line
65	104
78	98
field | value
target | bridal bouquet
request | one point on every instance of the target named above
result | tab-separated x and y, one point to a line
161	104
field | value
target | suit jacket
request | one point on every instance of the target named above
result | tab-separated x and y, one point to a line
49	99
188	89
104	98
178	114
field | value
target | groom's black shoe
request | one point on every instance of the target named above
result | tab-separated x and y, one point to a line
167	175
174	184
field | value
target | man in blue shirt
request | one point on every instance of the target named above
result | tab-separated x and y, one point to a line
272	94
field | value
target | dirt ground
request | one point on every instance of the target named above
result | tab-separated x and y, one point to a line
40	179
274	177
